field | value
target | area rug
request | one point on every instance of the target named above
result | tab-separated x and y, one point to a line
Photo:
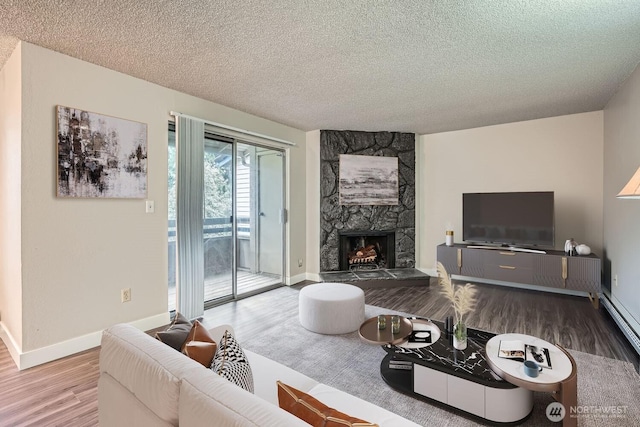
349	364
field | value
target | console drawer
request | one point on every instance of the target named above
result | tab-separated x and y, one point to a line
509	273
512	259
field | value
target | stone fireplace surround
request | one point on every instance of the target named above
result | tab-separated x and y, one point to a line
335	218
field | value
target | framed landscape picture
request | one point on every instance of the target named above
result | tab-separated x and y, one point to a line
368	180
100	156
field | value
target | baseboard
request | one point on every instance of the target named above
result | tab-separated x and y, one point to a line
296	279
29	359
314	277
430	271
624	320
10	343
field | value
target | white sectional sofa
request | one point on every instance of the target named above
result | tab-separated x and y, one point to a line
144	382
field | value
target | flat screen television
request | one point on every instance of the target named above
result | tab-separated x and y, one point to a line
520	219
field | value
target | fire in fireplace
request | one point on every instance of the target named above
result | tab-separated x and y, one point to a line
372	249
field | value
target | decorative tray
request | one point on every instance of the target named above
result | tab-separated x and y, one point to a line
369	331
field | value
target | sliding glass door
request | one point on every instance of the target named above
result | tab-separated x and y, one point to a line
244	256
260	213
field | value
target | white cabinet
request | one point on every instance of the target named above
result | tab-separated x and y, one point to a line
430	383
466	395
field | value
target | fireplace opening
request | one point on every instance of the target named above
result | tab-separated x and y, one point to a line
367	249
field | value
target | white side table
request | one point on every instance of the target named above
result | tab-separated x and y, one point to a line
560	379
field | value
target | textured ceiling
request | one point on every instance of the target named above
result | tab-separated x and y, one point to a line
416	66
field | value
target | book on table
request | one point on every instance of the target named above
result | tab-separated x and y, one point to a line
518	350
399	363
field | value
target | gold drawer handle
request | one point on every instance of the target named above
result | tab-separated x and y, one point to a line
507	267
508	253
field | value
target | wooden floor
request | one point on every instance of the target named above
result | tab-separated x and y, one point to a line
64	392
219	286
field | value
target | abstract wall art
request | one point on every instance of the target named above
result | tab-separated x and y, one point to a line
368	180
100	156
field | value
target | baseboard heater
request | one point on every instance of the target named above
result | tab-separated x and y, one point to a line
628	332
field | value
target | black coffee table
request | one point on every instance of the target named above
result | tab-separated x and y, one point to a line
461	379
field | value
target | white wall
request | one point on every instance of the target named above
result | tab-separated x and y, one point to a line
621	225
78	253
560	154
10	221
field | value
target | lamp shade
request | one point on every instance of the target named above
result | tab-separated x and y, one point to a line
632	189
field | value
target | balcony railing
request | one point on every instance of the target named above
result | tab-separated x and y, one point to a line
216	227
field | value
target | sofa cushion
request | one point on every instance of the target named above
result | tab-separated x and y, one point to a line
358	407
177	332
312	411
210	400
200	346
266	372
231	363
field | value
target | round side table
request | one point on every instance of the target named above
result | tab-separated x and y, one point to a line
561	378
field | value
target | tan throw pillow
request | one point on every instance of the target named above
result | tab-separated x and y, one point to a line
201	352
312	411
199	345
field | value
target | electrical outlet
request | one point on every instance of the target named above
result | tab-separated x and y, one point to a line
125	295
300	262
615	280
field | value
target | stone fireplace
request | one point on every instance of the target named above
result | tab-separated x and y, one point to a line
390	229
367	249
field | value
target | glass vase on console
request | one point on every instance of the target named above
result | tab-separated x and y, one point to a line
460	335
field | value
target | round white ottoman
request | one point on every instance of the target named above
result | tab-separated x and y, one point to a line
331	308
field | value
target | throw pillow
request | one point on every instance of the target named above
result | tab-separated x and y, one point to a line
312	411
231	363
176	334
199	345
201	352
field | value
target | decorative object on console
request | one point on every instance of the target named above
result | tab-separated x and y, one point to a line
570	247
449	237
463	301
100	156
632	189
583	249
231	363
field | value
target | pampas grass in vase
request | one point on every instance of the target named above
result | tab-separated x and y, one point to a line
463	299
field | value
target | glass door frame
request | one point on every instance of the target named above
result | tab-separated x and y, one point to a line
283	152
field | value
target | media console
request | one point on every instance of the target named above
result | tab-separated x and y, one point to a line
553	269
